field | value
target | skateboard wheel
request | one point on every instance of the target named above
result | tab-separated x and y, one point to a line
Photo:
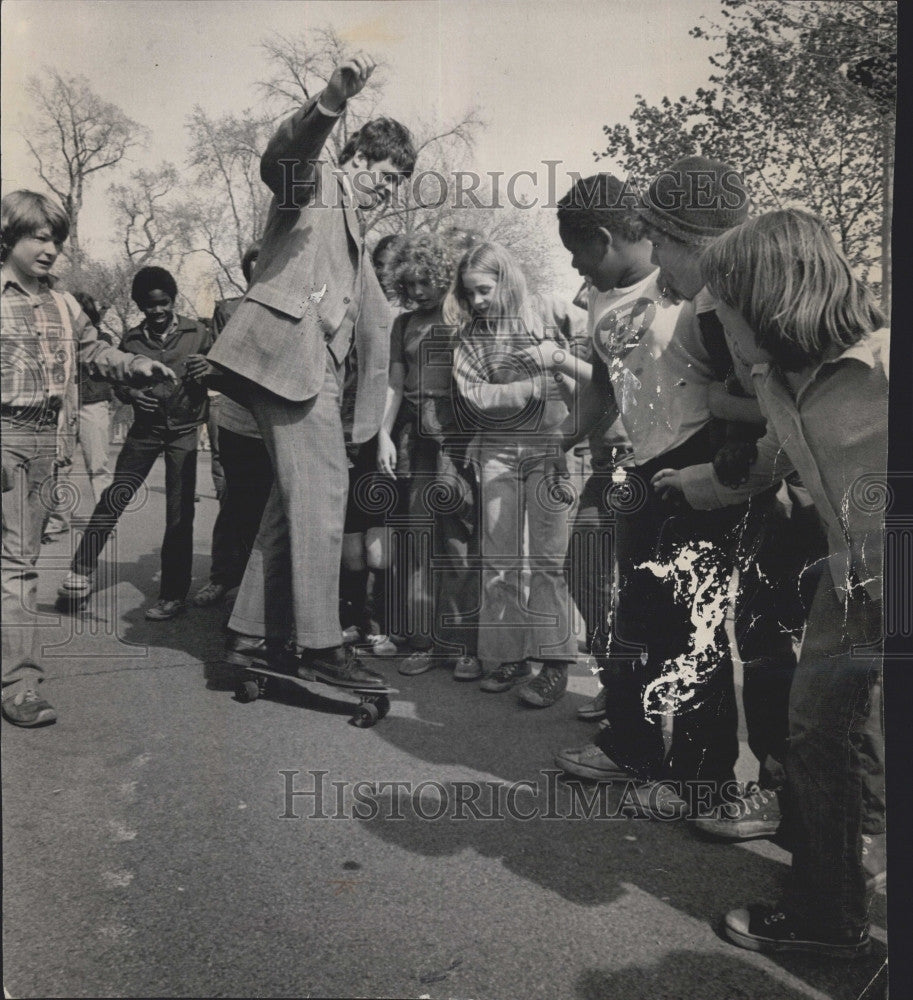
365	715
247	691
382	704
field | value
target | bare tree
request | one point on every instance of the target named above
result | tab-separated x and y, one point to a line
225	210
148	218
75	133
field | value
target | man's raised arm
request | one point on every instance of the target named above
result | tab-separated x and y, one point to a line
289	165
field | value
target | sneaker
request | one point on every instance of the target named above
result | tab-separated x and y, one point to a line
28	709
419	662
467	668
506	676
593	710
210	595
352	635
756	813
874	861
163	611
590	762
75	585
340	666
546	687
770	928
380	645
660	800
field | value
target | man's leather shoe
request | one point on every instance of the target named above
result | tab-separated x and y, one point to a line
338	665
252	650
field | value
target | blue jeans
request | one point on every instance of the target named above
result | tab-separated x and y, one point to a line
134	464
835	760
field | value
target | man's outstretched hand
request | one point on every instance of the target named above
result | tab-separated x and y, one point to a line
348	79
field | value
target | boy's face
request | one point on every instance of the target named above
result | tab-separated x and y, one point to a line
594	257
33	256
158	308
374	184
679	264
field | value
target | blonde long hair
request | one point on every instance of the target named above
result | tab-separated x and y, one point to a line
511	302
795	288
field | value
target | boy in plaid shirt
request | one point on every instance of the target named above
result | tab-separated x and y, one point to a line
43	336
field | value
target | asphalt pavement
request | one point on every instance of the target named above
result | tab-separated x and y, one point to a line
164	839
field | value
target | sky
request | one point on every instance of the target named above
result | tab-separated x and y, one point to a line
545	76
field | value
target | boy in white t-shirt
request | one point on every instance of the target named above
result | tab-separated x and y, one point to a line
653	368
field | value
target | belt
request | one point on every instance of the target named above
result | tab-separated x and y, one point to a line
42	414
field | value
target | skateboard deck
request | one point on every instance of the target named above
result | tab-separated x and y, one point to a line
373	702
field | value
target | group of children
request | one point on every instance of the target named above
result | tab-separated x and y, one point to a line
748	368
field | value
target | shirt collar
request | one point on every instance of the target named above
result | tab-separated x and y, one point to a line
173	327
860	351
7	277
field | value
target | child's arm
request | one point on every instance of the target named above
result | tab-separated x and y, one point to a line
497	399
104	361
704	491
595	400
289	165
738	409
386	449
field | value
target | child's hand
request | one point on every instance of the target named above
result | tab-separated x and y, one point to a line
666	482
144	400
348	79
386	454
197	367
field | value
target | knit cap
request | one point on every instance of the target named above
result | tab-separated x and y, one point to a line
695	199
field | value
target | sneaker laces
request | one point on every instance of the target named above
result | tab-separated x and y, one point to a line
547	679
507	671
753	799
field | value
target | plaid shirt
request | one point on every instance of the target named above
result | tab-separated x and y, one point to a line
37	356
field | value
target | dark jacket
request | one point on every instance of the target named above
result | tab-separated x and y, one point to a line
95	390
183	405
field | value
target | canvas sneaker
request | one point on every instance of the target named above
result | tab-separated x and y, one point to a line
506	676
772	928
756	813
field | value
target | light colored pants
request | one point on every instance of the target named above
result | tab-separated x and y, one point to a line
29	451
290	588
94	436
524	528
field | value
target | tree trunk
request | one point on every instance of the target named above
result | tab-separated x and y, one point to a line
887	208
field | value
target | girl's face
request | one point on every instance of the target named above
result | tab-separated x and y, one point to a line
425	294
480	288
740	337
33	256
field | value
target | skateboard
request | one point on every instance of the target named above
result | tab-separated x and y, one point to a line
373	702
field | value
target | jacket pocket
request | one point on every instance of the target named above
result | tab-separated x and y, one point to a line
294	304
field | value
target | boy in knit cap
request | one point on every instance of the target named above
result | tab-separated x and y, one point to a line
778	557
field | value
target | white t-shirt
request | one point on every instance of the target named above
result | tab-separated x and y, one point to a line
656	362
